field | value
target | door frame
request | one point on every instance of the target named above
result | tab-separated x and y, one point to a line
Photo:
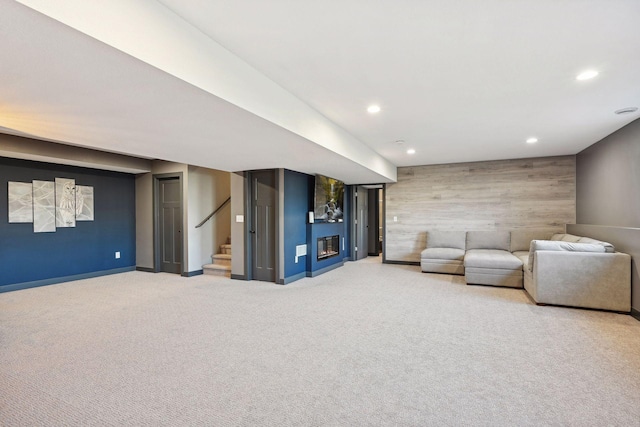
156	219
354	215
358	191
374	221
352	221
248	223
383	220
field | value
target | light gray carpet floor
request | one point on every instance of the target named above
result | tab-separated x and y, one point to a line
366	344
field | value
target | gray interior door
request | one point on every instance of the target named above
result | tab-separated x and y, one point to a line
263	231
362	229
170	225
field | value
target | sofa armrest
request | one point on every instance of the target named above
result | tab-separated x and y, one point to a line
557	245
583	279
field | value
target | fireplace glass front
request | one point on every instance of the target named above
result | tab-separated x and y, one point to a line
328	247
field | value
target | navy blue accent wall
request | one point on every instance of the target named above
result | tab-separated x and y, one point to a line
297	204
89	247
298	201
324	229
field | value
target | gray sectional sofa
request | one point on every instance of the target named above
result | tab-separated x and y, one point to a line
559	269
580	272
445	252
489	261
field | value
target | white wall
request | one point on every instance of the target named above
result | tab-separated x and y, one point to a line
191	56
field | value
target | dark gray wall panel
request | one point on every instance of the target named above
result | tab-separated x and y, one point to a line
608	180
608	195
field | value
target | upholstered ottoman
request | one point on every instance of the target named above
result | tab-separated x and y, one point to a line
489	262
444	253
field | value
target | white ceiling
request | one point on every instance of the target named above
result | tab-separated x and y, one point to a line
459	80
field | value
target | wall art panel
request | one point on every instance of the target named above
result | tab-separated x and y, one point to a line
44	206
65	202
84	203
20	202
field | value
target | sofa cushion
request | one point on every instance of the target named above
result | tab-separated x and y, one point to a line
566	237
488	240
442	266
608	247
521	239
494	277
522	256
491	258
443	253
560	245
446	239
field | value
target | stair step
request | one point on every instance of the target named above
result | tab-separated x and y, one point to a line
221	259
225	249
217	270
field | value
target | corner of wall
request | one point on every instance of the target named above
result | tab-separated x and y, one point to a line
237	188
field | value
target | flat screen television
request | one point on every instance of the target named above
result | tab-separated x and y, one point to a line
329	200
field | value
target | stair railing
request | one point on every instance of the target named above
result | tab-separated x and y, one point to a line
213	213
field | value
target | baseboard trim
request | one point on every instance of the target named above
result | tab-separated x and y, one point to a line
56	280
146	269
386	261
635	313
324	270
238	277
293	278
192	273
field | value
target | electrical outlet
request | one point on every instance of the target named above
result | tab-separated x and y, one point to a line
118	255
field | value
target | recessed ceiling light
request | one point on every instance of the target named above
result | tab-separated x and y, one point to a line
373	109
532	140
586	75
411	151
626	110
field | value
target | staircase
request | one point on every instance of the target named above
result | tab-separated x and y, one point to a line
221	262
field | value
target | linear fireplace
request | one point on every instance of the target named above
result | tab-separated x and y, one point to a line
328	247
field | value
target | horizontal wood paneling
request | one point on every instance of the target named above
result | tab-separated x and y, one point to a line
535	193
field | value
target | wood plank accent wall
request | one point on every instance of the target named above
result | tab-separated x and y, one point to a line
537	193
